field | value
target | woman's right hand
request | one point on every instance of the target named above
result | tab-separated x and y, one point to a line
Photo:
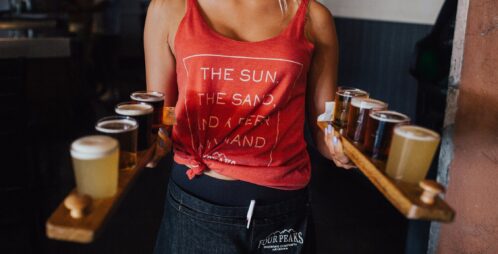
334	144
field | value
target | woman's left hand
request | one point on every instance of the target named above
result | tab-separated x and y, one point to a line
334	144
163	147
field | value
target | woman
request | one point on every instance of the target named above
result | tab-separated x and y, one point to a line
240	74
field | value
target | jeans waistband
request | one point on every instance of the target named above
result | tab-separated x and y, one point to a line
296	204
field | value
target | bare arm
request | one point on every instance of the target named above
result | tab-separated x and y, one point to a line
322	80
160	27
163	17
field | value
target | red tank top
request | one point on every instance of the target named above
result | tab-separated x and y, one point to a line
241	105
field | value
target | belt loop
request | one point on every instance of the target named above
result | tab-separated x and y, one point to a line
250	211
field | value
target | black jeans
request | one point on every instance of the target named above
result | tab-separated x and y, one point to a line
191	225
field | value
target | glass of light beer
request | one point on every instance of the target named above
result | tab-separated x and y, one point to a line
379	131
142	113
156	99
358	114
412	151
124	129
95	162
342	100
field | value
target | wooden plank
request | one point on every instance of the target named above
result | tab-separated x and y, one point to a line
61	226
405	197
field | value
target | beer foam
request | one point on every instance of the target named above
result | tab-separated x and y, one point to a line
147	96
129	125
416	133
93	147
389	116
352	92
134	109
368	103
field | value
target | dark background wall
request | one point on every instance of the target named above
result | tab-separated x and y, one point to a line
376	56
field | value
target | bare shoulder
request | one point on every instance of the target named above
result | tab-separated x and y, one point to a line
167	5
166	12
163	19
321	22
319	13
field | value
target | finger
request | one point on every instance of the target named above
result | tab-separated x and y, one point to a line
344	165
329	139
333	141
339	151
337	163
343	159
151	164
349	166
329	130
338	145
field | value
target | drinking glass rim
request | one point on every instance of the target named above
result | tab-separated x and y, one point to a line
150	108
372	115
432	135
343	89
116	118
160	96
362	99
80	151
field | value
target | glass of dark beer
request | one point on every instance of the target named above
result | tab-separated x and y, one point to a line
143	113
342	100
359	111
124	129
156	99
379	132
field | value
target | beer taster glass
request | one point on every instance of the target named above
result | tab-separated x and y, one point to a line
124	129
379	131
156	99
359	111
412	151
169	117
342	100
95	162
142	112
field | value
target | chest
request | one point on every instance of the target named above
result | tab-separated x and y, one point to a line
246	20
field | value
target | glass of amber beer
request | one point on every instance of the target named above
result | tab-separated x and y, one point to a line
169	117
342	100
142	112
156	99
412	151
95	162
379	131
359	111
124	129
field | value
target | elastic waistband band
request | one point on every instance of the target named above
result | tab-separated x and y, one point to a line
296	204
228	193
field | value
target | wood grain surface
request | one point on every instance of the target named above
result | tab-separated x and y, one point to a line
61	226
404	196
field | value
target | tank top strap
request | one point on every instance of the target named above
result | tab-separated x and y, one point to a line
196	12
190	6
192	24
296	27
